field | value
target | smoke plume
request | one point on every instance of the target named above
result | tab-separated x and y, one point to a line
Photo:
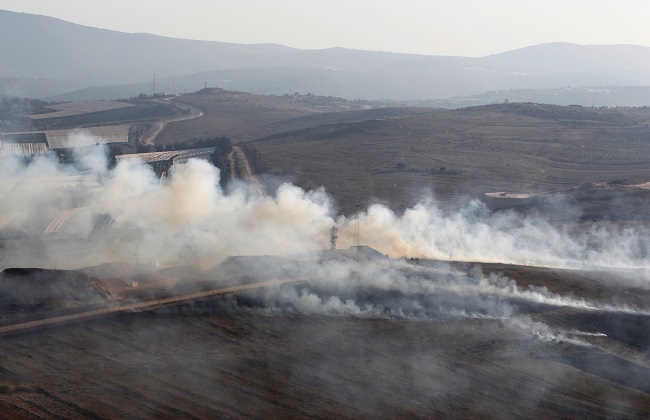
189	219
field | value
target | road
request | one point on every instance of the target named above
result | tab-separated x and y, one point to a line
150	137
239	165
139	306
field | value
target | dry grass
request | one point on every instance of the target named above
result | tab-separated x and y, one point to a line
244	116
488	149
237	115
78	108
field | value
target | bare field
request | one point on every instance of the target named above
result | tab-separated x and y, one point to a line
243	116
141	111
460	153
236	115
78	108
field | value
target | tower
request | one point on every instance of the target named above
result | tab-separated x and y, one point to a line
333	237
357	210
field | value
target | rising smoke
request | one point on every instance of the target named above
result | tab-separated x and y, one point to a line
50	213
383	288
189	219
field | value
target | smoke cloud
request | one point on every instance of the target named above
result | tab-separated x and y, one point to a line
189	219
474	233
383	288
185	220
73	216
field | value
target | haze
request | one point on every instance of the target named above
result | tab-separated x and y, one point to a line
442	27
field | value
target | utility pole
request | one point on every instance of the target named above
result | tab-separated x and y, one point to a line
357	210
333	237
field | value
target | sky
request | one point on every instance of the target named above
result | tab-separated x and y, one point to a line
433	27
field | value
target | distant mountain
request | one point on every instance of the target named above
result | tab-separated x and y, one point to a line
49	58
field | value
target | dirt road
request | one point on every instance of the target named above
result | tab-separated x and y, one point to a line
150	137
240	167
138	306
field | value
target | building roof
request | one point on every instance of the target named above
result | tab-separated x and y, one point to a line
27	137
164	156
78	137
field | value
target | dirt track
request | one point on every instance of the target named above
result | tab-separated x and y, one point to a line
138	306
240	167
150	137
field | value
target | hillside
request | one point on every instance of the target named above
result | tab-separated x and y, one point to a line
243	116
517	148
27	294
66	57
461	351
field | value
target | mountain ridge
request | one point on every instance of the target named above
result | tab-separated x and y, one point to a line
79	57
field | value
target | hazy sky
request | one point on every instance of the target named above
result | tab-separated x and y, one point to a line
446	27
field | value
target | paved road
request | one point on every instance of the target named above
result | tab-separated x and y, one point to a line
139	306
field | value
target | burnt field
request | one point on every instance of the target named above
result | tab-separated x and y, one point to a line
305	351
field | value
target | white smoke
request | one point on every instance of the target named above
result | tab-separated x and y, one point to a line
397	290
473	233
191	220
187	220
538	330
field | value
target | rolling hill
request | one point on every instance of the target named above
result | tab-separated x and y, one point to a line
456	154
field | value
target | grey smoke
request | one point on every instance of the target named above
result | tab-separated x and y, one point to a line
396	289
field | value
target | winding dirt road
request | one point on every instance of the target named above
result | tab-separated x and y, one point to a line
150	137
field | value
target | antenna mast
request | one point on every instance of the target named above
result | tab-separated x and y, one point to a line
333	237
357	210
